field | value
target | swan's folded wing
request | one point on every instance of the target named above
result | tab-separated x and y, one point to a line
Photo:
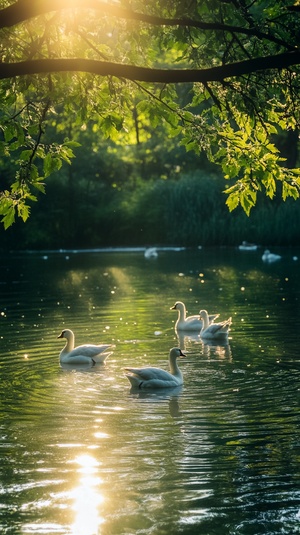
146	374
89	350
215	328
227	323
193	318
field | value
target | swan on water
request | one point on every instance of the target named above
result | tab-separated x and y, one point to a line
190	323
270	257
84	354
245	246
151	252
214	331
156	377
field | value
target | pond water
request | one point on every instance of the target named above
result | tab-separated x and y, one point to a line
82	454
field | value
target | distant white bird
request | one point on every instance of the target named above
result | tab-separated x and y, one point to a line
214	331
270	257
247	246
190	323
151	252
84	354
156	377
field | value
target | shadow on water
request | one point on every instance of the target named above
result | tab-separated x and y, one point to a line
82	454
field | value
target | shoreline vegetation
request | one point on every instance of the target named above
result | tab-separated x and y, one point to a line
189	211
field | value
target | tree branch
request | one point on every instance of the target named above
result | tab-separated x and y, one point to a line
142	74
40	132
23	10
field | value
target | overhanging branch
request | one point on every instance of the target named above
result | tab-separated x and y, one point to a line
142	74
26	9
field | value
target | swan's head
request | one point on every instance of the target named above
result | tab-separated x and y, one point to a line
178	306
176	352
66	333
203	315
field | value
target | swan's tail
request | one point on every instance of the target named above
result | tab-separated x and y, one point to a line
134	381
102	357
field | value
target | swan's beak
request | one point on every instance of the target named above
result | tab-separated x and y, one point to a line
61	335
173	307
182	354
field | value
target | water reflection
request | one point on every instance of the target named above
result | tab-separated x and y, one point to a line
89	366
87	497
157	393
211	348
172	395
184	339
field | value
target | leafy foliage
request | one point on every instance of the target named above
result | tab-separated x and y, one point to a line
239	72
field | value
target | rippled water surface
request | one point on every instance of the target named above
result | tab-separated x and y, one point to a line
81	454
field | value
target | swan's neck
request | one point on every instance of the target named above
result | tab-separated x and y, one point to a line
69	344
205	321
174	369
181	313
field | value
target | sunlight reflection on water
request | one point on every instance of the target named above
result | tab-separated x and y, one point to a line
87	497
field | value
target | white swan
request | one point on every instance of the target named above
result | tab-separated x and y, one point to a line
270	257
214	331
151	252
156	377
190	323
247	246
85	354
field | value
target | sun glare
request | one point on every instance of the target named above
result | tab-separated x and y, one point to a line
87	498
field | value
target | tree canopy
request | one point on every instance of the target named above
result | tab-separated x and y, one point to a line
221	75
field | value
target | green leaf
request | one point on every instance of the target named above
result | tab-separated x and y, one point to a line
288	190
233	201
9	132
25	155
23	211
9	216
51	163
247	201
71	143
39	186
